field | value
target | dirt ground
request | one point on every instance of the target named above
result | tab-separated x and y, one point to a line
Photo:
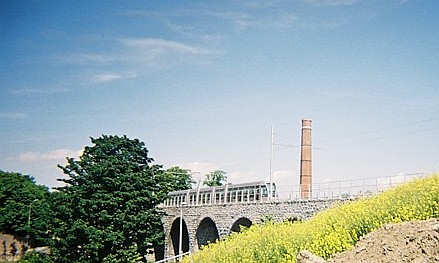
416	242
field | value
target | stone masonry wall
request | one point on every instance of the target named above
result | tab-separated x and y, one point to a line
225	215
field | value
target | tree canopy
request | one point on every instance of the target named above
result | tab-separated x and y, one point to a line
179	179
24	208
107	210
215	178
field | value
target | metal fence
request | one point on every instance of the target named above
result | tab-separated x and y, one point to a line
348	189
343	189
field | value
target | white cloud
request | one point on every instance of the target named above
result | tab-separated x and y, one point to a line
12	115
54	155
138	54
260	4
287	181
199	167
239	19
108	77
243	21
242	177
135	56
38	90
161	46
321	3
86	58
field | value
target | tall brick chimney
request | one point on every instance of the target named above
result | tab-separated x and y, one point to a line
305	161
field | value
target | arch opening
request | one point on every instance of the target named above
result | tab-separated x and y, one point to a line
175	237
239	224
207	232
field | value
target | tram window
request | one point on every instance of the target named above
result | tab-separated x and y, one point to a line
264	191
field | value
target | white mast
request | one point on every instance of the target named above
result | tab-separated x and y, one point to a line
271	163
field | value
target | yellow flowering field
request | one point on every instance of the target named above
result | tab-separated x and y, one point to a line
330	231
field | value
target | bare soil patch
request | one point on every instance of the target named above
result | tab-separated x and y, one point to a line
416	242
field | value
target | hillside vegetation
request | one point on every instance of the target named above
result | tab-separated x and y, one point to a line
334	230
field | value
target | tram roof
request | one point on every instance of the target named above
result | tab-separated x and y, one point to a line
230	185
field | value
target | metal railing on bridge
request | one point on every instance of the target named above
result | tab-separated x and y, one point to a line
174	258
344	189
350	189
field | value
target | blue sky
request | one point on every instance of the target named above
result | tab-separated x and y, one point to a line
201	83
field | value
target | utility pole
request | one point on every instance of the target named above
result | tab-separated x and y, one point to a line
271	163
29	223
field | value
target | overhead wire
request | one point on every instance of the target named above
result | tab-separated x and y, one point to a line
377	131
380	131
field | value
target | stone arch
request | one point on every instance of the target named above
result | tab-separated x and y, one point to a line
174	237
243	221
207	232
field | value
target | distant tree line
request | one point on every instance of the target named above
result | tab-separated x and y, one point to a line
105	212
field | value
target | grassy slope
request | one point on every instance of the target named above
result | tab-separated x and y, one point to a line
330	231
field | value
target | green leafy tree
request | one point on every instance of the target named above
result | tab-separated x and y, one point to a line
24	209
107	210
35	257
215	178
179	179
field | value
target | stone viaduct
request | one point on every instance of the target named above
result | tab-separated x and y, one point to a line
194	218
202	224
196	222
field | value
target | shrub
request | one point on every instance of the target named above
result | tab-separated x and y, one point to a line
35	257
331	231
